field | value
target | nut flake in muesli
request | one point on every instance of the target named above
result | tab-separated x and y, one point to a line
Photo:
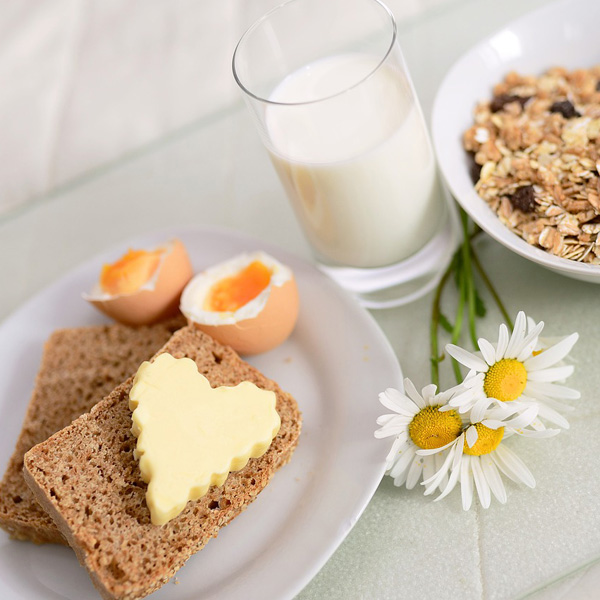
536	158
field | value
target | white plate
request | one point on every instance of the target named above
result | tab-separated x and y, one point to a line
564	33
335	364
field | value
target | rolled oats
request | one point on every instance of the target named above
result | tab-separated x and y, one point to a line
536	152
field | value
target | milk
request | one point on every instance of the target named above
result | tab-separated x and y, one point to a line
357	166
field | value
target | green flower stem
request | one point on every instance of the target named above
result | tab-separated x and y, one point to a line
463	265
460	311
492	290
468	276
435	323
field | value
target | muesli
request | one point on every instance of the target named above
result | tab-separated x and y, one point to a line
536	158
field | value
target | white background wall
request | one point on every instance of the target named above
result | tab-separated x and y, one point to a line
84	82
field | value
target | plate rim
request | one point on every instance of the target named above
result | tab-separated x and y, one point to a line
299	581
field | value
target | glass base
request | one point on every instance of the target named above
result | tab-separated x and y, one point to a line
407	281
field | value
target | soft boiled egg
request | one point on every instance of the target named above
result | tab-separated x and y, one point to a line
249	302
143	286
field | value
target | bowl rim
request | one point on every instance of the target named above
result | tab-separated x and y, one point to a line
468	198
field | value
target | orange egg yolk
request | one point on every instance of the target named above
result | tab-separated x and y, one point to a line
231	293
130	272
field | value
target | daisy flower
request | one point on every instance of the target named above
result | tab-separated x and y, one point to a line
518	371
477	457
417	423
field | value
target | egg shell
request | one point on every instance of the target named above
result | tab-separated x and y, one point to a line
269	328
147	306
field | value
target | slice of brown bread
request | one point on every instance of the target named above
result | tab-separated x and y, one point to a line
87	478
79	367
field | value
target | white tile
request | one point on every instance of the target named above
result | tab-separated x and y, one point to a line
34	45
143	70
552	530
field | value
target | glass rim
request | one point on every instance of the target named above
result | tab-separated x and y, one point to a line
277	8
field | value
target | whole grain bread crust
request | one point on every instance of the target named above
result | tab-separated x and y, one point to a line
79	367
88	480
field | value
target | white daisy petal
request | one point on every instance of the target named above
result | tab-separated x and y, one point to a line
473	380
466	482
524	419
439	460
414	473
518	335
389	430
402	461
428	468
394	400
493	478
551	402
395	420
526	351
552	355
487	351
462	399
547	342
553	374
493	423
458	454
428	394
498	459
400	479
446	395
472	436
538	425
464	409
430	451
411	392
544	388
530	342
512	466
530	323
466	358
481	485
479	409
392	419
432	483
384	419
503	338
539	434
452	481
503	410
405	462
545	412
397	447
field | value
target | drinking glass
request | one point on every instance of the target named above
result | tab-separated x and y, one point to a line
333	102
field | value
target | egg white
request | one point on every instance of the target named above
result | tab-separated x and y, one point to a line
194	295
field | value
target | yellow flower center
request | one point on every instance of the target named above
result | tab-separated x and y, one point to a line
505	380
487	440
431	428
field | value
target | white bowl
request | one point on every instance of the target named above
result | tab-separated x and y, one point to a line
563	33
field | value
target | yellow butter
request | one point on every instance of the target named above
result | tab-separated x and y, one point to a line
190	436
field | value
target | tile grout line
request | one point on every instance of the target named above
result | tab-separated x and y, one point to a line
478	524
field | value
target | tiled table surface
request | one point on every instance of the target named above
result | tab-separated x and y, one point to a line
179	164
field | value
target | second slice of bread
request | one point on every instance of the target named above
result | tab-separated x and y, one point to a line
80	366
88	480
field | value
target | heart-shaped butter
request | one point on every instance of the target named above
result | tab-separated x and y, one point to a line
190	435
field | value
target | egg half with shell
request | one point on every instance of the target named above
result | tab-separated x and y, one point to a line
143	286
249	302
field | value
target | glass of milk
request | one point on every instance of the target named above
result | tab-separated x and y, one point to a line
335	107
